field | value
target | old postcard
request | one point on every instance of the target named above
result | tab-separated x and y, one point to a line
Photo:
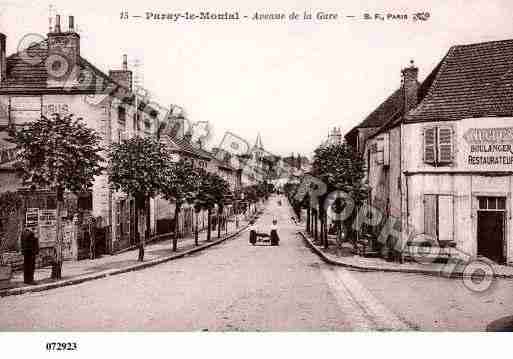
280	166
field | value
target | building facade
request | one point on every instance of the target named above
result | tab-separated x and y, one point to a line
443	167
52	77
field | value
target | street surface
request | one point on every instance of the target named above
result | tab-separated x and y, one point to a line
238	287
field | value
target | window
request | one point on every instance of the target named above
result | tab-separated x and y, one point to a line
492	203
85	201
438	216
382	150
122	135
438	145
121	114
137	118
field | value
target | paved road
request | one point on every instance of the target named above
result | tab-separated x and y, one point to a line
235	286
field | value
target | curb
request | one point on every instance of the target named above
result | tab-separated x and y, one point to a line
361	268
110	272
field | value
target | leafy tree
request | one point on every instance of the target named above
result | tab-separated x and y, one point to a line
138	166
220	189
181	185
211	192
9	203
340	167
59	153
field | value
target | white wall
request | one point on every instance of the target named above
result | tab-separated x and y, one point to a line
462	180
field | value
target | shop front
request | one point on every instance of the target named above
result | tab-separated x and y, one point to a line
458	187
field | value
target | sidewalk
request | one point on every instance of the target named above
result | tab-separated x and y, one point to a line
356	262
75	272
352	261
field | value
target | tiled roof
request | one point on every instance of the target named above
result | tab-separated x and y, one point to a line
26	71
26	74
388	108
473	81
182	145
385	113
396	118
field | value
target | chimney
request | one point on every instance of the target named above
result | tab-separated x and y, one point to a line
57	23
410	86
3	62
63	62
71	23
124	76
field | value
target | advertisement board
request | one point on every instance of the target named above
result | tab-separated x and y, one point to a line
47	219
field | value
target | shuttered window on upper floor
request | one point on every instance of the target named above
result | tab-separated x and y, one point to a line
438	145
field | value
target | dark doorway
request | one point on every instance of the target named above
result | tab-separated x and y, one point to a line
490	235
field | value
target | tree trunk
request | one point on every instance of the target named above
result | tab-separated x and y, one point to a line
140	206
176	234
57	265
308	220
91	226
321	223
237	216
326	244
196	230
316	231
218	224
148	219
209	224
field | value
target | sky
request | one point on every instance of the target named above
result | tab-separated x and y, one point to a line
290	81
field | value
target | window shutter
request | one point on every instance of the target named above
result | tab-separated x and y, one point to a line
444	144
445	218
430	145
430	215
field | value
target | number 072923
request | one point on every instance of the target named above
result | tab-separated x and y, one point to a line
56	346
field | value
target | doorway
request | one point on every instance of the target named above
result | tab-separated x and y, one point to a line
491	228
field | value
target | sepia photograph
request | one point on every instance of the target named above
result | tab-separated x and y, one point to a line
276	167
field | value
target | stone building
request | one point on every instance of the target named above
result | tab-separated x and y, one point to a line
53	77
441	163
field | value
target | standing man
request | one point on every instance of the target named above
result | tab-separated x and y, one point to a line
92	237
253	232
30	249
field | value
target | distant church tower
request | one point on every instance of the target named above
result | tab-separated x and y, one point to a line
334	137
258	142
258	149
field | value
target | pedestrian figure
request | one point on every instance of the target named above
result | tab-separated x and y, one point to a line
92	238
30	249
275	239
253	232
341	236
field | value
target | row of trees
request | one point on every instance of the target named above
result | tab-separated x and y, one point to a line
62	154
144	168
340	168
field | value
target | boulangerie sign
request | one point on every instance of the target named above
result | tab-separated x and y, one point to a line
487	144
